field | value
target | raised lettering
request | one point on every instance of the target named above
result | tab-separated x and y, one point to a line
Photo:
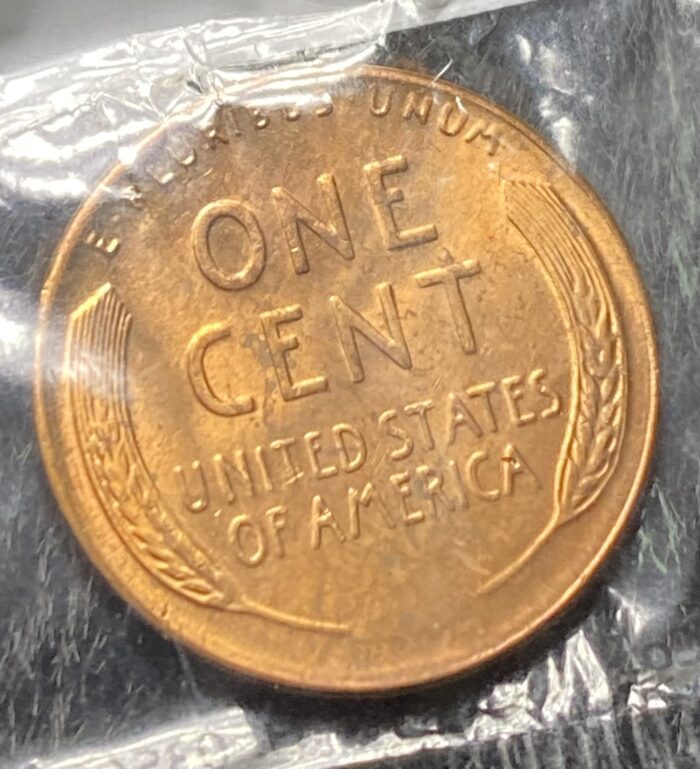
239	212
313	447
421	409
453	467
284	446
432	487
196	350
322	518
472	467
280	345
365	498
260	119
293	215
380	107
276	518
349	323
262	467
448	277
513	392
535	380
417	105
386	421
194	492
402	483
324	110
486	131
484	391
241	528
103	243
457	415
513	464
228	472
340	433
453	117
291	114
384	198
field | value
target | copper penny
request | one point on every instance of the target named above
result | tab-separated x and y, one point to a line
350	384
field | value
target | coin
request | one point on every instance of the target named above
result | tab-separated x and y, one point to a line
349	383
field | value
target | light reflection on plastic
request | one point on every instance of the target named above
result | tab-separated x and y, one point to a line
15	89
31	146
565	135
524	48
67	188
13	337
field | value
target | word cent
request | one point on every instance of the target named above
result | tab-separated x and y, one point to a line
353	393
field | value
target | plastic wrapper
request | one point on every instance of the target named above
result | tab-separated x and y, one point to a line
84	682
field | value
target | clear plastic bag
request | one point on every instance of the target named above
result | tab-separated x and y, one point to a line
614	682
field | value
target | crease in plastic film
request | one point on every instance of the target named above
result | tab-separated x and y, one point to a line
138	82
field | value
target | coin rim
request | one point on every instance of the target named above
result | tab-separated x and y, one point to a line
47	447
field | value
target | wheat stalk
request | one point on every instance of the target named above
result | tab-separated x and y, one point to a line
96	350
591	445
591	448
97	345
